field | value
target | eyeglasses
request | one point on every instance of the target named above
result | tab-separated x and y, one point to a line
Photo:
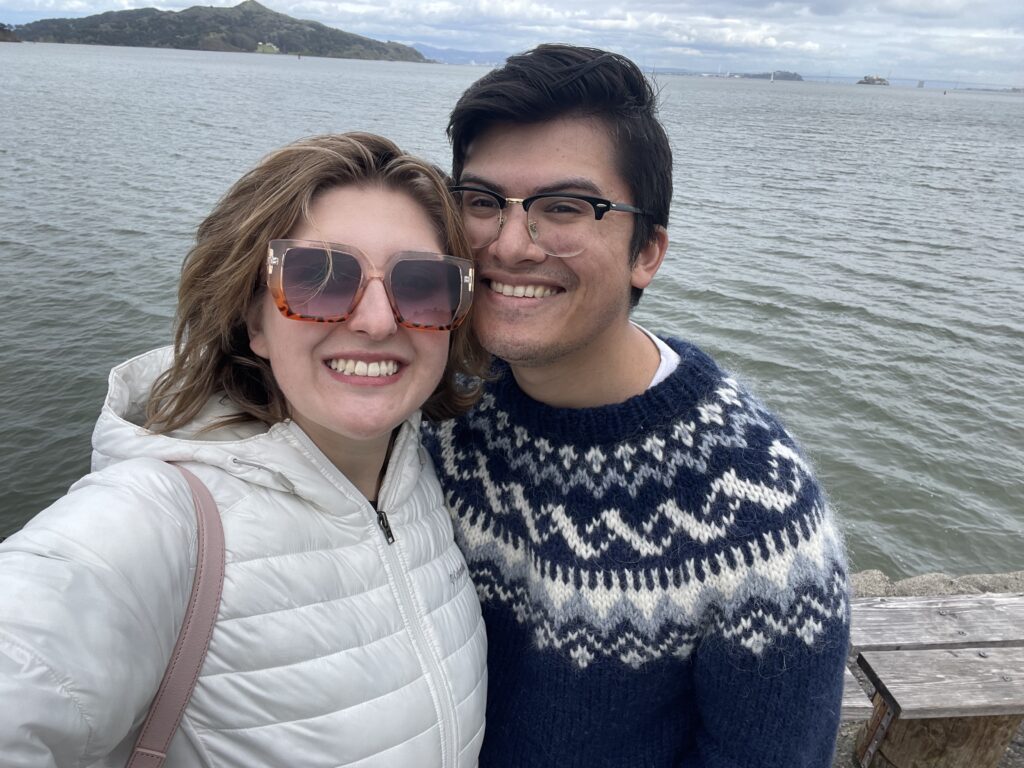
561	224
322	282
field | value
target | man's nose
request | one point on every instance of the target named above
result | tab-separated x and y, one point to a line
514	243
373	314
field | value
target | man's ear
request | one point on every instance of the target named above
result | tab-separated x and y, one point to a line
649	259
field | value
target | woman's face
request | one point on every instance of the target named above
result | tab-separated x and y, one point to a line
313	362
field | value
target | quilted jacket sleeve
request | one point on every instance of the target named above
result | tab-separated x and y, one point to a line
93	592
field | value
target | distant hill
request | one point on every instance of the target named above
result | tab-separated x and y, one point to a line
778	74
7	34
248	26
455	56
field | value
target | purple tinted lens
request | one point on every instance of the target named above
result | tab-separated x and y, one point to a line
427	292
320	284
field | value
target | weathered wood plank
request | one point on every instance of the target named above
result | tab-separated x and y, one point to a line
963	682
969	742
950	621
856	704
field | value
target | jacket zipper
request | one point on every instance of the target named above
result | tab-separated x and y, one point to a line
382	521
436	679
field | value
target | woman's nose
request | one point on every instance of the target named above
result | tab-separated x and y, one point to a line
373	314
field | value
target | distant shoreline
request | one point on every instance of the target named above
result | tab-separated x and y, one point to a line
7	34
248	27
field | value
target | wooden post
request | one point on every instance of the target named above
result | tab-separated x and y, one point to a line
954	742
873	731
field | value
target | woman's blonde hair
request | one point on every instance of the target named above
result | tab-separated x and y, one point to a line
223	277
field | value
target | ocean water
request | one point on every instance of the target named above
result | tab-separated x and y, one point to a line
853	253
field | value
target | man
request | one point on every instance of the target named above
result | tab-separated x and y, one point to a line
660	575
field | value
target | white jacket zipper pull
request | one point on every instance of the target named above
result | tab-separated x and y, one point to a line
382	521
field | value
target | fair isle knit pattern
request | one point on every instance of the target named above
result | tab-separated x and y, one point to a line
662	580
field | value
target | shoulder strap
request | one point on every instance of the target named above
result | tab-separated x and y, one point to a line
194	638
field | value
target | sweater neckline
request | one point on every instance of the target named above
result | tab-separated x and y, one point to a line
696	376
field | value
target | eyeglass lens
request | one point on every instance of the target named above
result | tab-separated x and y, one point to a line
324	284
560	226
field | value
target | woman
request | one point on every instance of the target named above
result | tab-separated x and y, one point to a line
316	318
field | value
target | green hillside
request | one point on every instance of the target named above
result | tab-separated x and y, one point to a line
241	28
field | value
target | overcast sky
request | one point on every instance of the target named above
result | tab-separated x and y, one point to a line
971	41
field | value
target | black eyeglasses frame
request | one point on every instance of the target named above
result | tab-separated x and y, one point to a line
600	205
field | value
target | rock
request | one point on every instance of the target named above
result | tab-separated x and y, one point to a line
877	584
932	584
996	582
870	584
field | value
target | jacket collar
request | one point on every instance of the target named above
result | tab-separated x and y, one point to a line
282	457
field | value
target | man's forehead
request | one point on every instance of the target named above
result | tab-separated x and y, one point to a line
566	154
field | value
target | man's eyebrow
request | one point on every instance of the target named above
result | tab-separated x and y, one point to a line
479	181
572	184
578	184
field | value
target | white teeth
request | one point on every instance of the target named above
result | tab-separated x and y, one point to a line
520	291
363	368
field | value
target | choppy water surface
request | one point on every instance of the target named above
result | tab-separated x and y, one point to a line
854	253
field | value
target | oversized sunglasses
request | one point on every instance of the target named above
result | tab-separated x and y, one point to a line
322	282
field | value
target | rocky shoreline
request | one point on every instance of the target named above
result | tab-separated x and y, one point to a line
877	584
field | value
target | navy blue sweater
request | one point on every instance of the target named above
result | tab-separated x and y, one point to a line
662	581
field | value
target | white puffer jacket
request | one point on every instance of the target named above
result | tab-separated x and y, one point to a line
331	648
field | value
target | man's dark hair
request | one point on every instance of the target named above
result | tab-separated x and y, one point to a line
557	80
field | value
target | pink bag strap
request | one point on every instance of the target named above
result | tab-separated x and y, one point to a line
194	638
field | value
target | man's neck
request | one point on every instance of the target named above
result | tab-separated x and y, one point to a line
589	378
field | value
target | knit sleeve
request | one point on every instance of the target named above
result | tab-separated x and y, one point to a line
768	671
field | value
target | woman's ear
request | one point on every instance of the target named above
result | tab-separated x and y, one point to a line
254	326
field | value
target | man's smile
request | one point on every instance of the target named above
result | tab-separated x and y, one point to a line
528	291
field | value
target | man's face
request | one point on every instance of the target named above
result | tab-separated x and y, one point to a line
537	310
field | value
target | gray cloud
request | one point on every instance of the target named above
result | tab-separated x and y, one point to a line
980	41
